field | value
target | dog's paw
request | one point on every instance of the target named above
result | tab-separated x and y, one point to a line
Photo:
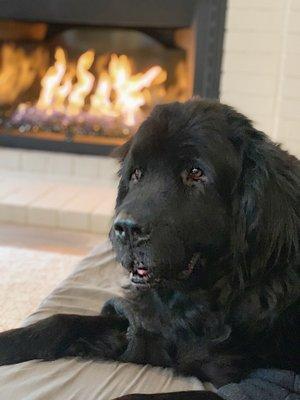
8	351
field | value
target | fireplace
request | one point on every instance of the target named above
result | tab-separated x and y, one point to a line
80	76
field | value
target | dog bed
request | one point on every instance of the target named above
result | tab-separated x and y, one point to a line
96	279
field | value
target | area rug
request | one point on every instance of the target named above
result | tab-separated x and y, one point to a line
26	278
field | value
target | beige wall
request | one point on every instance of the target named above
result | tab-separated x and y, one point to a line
261	66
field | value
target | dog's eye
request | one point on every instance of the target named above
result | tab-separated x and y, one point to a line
195	174
136	175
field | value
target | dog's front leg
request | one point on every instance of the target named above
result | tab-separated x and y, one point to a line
188	395
64	335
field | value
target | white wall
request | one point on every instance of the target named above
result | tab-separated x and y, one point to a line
261	66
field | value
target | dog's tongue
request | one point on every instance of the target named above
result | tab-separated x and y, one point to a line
142	271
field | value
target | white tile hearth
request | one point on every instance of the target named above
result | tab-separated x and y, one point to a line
57	190
12	206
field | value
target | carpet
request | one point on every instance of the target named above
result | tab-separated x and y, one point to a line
26	278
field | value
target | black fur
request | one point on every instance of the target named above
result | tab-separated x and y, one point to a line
237	309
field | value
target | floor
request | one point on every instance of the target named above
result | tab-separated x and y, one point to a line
49	239
33	261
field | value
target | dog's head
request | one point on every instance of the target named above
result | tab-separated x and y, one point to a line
199	193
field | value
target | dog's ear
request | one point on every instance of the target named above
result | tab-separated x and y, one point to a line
121	152
266	205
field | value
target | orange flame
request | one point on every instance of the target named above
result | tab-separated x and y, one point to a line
51	81
18	71
62	92
100	100
128	87
84	85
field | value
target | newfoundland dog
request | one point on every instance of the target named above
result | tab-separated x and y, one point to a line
207	226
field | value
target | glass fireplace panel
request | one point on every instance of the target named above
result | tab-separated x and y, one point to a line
84	84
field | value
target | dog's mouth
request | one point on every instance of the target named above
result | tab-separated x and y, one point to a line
140	274
141	277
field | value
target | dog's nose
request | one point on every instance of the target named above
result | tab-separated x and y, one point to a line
126	227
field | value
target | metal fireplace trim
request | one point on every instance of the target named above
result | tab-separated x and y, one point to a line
102	146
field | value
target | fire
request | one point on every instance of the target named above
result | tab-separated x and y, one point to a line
63	91
128	87
100	100
50	82
84	85
18	71
116	92
93	95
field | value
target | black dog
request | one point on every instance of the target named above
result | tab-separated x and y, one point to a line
207	225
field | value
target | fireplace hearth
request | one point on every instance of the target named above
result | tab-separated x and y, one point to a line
81	76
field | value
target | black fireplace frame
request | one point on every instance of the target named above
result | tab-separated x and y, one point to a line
205	20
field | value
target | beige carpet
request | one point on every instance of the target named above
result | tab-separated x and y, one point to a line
26	278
